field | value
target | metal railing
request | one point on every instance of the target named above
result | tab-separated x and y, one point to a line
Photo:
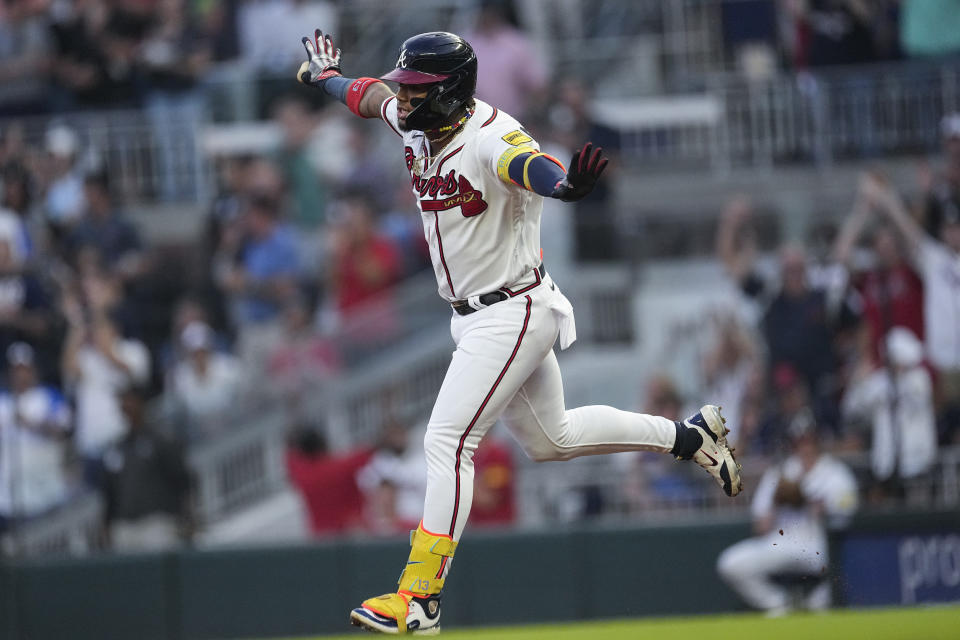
398	382
402	313
628	47
240	467
843	113
144	160
815	119
735	123
400	386
653	488
73	528
602	298
623	45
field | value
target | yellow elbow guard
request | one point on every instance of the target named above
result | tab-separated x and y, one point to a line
503	164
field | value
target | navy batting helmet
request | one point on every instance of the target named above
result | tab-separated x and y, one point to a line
447	62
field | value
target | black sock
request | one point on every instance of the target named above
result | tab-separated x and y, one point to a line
688	441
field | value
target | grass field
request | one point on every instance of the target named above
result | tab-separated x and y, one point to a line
918	623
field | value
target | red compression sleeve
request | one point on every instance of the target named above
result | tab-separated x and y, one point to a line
355	94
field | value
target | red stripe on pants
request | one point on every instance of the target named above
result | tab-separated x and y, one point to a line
476	416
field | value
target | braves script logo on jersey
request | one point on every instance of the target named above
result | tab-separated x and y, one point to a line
469	200
440	193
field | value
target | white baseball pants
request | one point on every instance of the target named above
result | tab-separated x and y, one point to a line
504	365
749	565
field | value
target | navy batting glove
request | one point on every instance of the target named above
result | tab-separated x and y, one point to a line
581	178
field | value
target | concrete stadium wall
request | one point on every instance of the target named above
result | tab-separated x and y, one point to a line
257	593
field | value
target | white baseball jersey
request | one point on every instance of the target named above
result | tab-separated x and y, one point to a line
829	482
483	233
484	236
941	276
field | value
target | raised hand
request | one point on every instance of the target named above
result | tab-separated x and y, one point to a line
585	169
323	59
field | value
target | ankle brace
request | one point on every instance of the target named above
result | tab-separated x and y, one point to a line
425	572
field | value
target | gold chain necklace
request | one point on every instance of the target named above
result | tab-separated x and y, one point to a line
426	158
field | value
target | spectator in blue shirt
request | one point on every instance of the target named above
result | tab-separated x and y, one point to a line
269	268
35	422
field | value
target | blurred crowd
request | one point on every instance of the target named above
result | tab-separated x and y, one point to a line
855	334
121	353
865	329
85	321
65	55
818	34
292	280
61	55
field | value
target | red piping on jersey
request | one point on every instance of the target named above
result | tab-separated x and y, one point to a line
476	416
436	220
383	114
448	156
491	118
536	274
443	261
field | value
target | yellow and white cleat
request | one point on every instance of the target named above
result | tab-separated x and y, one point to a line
415	607
399	613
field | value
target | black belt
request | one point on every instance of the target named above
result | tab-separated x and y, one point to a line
463	307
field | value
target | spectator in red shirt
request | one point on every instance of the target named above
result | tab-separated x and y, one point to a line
327	483
363	263
363	267
493	485
890	291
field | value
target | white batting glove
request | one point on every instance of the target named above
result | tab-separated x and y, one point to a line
323	59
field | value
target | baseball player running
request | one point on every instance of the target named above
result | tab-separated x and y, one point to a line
479	179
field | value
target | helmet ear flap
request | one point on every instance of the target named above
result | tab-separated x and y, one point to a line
428	112
447	96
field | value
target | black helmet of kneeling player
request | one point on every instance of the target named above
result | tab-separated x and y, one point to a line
447	62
